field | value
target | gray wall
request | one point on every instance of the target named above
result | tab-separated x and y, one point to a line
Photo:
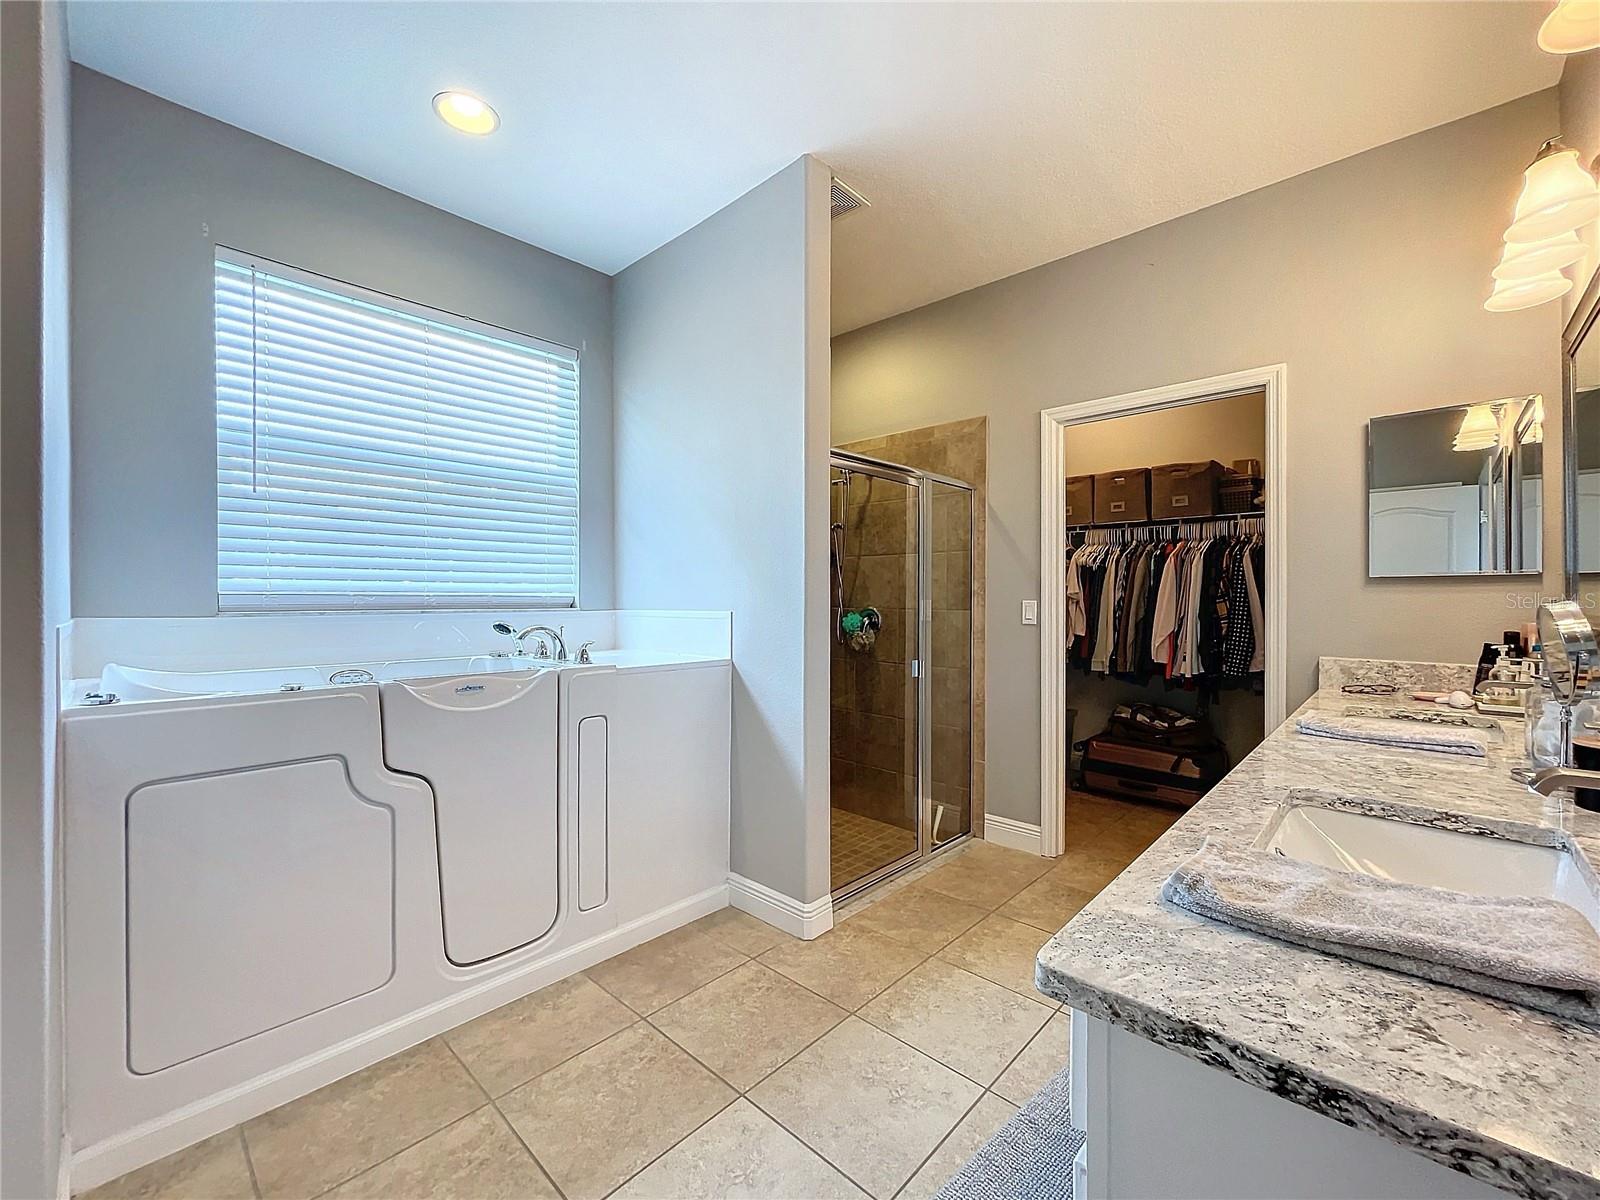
1366	277
155	187
721	436
34	596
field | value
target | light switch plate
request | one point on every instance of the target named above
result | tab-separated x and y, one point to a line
1030	612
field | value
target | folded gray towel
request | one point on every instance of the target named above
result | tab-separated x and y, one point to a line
1404	735
1526	949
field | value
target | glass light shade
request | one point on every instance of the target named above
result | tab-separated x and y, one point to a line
1512	294
1571	28
463	111
1558	196
1480	429
1524	260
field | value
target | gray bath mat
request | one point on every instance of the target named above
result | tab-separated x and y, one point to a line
1029	1157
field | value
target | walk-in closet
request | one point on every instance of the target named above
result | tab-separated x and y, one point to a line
1164	609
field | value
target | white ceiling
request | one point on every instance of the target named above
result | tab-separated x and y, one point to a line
990	138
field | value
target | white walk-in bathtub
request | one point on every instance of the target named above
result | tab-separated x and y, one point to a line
275	876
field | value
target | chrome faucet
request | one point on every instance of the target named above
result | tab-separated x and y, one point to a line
1549	779
1571	658
558	636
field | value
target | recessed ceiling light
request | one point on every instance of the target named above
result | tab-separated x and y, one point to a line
464	111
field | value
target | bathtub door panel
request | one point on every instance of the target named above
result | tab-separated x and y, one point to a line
486	744
593	812
255	897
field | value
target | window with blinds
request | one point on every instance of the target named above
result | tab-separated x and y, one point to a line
373	453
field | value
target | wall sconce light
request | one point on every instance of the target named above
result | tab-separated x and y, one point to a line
1480	429
1572	27
1558	196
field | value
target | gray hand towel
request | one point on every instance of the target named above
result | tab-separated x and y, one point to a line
1404	735
1526	949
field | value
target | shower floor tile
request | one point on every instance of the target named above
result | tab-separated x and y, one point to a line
860	845
629	1079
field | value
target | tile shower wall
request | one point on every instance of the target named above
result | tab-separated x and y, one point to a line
959	450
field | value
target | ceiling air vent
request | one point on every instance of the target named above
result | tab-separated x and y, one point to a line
846	200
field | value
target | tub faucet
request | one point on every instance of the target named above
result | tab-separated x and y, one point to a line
520	635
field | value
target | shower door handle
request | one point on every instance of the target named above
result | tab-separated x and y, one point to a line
916	668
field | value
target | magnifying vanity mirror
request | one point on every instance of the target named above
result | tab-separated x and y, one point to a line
1456	490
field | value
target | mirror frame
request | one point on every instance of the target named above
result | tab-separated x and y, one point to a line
1506	468
1582	323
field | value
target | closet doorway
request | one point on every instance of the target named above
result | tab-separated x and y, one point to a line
1197	506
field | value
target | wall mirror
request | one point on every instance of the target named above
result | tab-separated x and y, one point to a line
1581	468
1456	490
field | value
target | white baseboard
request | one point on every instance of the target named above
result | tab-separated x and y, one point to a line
784	912
1018	835
106	1160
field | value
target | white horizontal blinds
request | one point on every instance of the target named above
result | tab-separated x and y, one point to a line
373	453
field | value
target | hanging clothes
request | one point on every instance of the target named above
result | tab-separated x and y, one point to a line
1181	602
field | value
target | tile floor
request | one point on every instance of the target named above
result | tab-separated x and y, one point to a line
722	1059
859	845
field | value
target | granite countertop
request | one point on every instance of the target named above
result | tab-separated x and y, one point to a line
1507	1095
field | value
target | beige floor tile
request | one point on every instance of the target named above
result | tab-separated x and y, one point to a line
746	934
312	1143
665	969
1001	950
598	1118
1049	1052
477	1158
964	1141
986	875
519	1040
922	918
1049	902
748	1023
965	1022
849	965
740	1154
870	1105
214	1169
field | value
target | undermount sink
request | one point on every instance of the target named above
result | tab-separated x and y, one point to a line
1406	852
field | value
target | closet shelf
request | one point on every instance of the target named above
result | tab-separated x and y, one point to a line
1218	519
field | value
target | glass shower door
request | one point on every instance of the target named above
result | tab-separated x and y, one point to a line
875	816
949	637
